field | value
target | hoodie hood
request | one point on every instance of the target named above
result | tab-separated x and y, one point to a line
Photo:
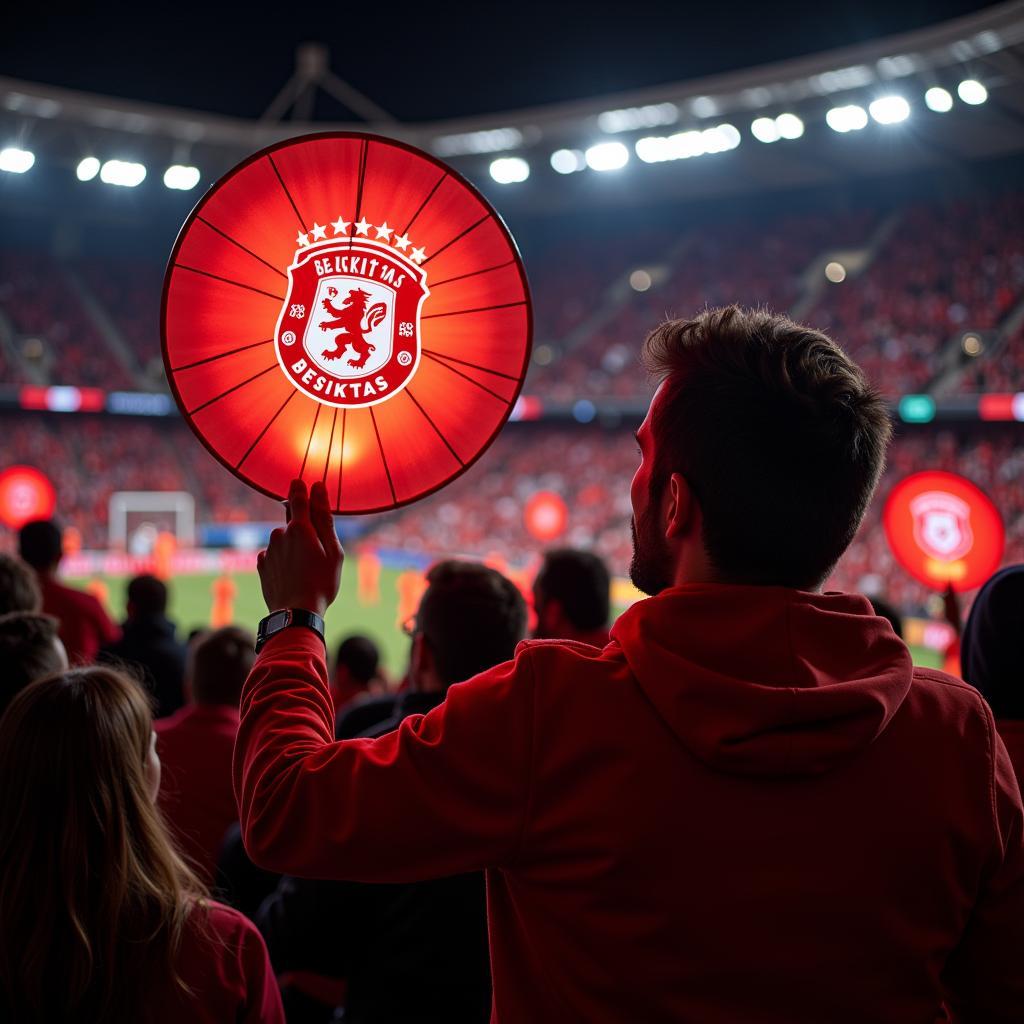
766	680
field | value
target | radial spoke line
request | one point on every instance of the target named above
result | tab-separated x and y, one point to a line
302	223
437	431
472	273
234	387
465	362
263	432
330	446
422	206
384	458
233	241
341	457
220	355
364	150
461	234
482	387
478	309
226	280
309	443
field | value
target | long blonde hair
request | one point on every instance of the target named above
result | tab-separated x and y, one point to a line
94	899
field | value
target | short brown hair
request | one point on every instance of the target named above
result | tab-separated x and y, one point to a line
777	432
471	616
220	663
28	651
19	588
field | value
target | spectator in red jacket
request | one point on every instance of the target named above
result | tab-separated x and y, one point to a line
29	650
195	746
84	626
100	920
418	951
572	597
992	655
750	806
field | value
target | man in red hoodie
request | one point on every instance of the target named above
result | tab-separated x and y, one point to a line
748	806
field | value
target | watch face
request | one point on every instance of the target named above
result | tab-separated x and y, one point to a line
278	620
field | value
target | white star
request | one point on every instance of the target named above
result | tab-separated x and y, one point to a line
340	226
303	239
417	255
402	242
362	226
318	232
384	232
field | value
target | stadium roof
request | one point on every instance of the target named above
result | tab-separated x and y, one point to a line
678	121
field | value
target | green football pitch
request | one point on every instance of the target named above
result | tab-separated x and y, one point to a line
192	599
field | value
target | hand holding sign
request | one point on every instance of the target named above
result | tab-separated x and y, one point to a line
301	567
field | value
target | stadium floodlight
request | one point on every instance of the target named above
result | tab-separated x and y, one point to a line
16	161
652	149
631	118
88	168
122	172
789	126
508	170
607	156
850	118
566	161
181	177
640	281
972	92
764	129
889	109
938	99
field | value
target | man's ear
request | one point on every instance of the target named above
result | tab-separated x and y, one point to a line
681	516
421	660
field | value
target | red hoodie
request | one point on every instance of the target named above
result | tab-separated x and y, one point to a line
747	807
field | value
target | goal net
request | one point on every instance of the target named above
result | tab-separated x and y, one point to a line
139	519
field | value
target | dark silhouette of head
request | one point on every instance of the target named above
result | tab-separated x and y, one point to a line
571	594
760	453
219	663
41	544
147	597
19	587
29	650
470	619
992	645
357	662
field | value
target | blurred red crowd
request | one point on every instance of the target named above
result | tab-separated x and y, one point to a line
917	279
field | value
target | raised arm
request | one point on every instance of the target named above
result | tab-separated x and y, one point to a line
445	793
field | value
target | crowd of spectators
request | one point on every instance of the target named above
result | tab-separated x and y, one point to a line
55	331
928	283
482	512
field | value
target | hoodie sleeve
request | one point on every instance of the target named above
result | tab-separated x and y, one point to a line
984	978
444	793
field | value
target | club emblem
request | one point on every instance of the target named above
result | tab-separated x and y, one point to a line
349	330
942	525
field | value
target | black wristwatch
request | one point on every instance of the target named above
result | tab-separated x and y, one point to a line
276	621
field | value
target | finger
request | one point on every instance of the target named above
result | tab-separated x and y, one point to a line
298	502
323	519
287	511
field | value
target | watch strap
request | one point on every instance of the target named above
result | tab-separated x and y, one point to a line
285	618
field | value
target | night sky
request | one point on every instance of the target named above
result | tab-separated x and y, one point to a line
428	60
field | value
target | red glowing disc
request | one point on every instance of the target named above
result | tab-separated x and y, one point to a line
944	530
25	494
342	307
545	515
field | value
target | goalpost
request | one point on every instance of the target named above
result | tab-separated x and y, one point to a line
137	518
